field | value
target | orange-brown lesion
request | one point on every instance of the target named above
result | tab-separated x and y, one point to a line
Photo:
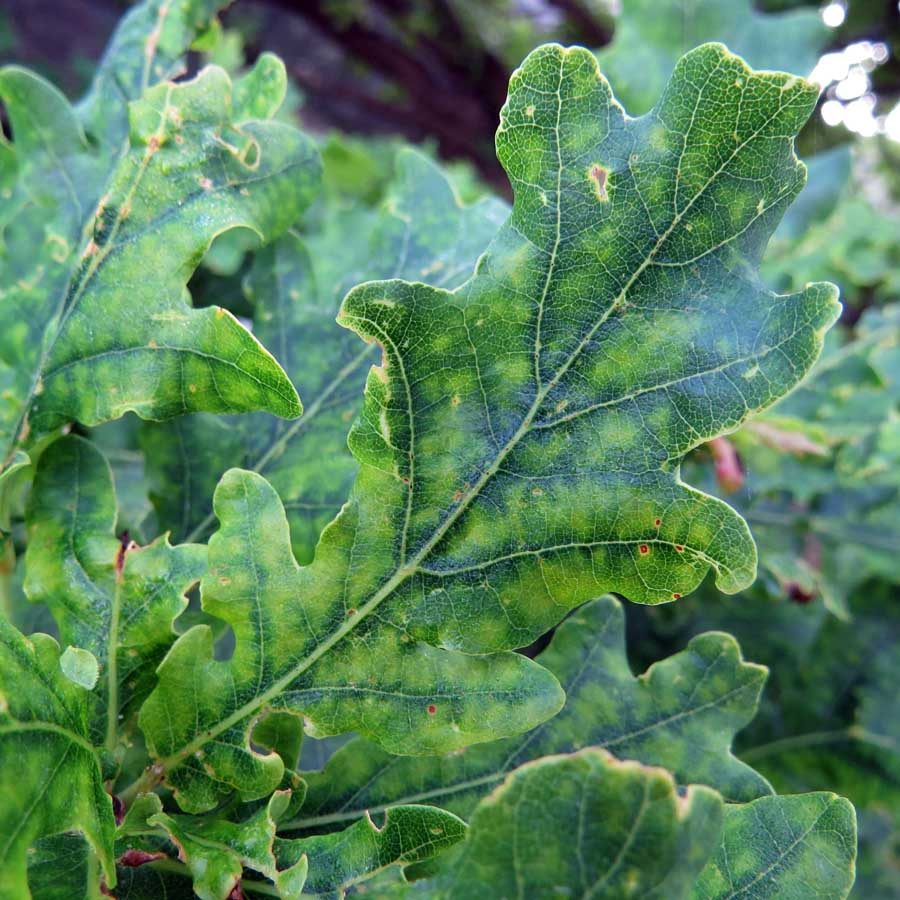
599	177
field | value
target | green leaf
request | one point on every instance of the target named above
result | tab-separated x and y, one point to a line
80	666
62	867
50	774
147	47
651	35
253	584
521	454
408	834
296	286
113	599
586	825
681	715
80	229
784	848
217	851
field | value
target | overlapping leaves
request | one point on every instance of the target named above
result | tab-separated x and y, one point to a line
519	444
681	715
525	841
296	286
82	218
107	595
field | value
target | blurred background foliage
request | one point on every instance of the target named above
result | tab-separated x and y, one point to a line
818	476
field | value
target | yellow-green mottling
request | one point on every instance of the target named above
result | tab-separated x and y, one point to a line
783	848
110	597
50	774
632	836
104	225
483	512
296	286
681	715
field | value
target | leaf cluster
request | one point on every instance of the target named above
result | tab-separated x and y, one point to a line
249	652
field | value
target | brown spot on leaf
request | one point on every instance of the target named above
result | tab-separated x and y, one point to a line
657	522
644	549
676	596
679	548
432	709
598	177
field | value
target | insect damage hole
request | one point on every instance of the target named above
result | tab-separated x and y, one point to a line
598	177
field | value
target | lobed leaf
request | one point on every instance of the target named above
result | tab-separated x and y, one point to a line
200	735
50	774
651	35
681	715
109	597
783	848
78	232
296	286
520	444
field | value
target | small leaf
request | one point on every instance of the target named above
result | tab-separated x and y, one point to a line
110	597
522	454
50	775
80	667
585	825
681	714
216	851
784	848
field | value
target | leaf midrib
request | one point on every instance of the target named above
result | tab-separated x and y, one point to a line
504	768
63	311
411	567
782	855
